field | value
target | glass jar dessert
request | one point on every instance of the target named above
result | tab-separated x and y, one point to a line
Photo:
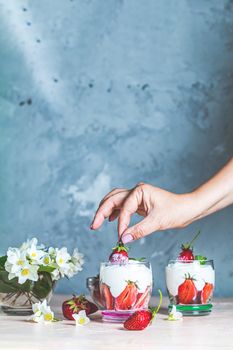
124	288
190	285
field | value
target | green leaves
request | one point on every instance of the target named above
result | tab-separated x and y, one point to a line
43	286
120	247
201	258
40	288
139	260
3	259
48	269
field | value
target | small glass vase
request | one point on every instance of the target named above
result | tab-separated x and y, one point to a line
17	299
190	286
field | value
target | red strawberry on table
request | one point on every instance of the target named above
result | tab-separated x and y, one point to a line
139	320
187	291
76	304
107	297
128	297
119	254
206	292
186	254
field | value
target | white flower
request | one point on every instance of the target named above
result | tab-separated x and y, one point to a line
78	259
35	254
36	307
52	252
55	275
62	260
175	315
72	270
15	260
28	244
62	257
45	260
27	272
81	318
42	313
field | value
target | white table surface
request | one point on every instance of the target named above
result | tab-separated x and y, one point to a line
210	332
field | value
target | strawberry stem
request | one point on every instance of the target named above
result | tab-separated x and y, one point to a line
155	310
189	245
194	238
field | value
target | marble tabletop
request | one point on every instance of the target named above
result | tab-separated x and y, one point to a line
210	332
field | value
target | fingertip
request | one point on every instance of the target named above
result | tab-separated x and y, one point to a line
127	238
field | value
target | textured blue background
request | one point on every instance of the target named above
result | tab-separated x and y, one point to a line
103	94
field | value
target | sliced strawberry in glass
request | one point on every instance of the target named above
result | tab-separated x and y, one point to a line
107	297
206	293
142	299
127	298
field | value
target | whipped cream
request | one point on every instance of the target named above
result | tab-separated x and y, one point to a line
116	276
175	275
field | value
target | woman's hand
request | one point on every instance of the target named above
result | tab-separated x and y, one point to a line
164	210
161	210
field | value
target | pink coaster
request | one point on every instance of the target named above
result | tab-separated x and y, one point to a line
116	316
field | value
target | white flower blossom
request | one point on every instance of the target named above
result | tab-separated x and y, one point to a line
35	254
45	260
25	262
55	275
27	272
78	259
62	260
42	313
81	318
28	244
15	260
175	315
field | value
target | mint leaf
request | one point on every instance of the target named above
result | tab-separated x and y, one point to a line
201	258
140	259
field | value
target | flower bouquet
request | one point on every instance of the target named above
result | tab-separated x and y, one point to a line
29	273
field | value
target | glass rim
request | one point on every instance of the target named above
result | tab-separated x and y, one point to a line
189	261
133	262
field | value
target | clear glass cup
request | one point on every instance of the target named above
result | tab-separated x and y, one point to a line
124	288
190	285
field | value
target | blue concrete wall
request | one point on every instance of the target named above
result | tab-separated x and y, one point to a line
102	94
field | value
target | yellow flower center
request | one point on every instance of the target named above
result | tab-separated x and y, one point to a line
48	317
81	320
20	262
25	272
33	255
61	261
46	260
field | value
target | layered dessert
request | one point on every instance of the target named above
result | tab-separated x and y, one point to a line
190	278
190	283
125	283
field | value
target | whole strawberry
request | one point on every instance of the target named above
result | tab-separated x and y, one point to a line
119	254
186	254
76	304
139	320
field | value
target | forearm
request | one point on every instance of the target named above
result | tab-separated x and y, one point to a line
215	194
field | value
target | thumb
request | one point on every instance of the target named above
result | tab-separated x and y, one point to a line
141	229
